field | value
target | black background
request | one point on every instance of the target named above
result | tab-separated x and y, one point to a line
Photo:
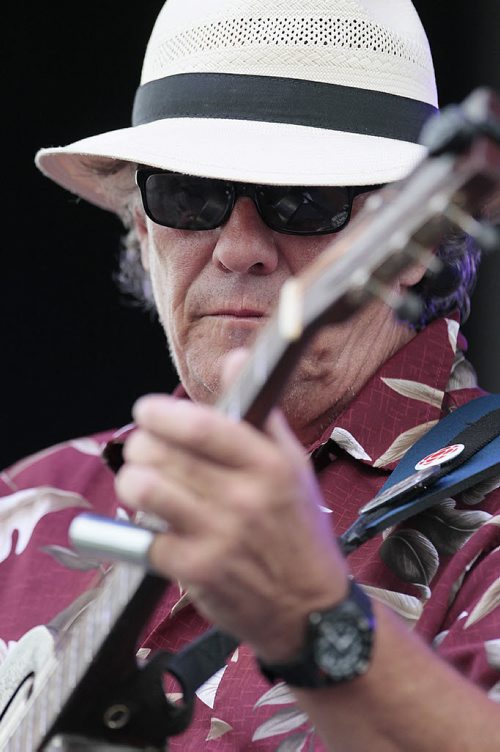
75	355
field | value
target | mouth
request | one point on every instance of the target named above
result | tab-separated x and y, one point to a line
240	313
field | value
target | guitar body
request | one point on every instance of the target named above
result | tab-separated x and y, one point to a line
22	673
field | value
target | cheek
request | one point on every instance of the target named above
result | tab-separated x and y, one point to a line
302	251
175	260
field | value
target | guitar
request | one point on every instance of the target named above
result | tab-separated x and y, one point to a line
87	691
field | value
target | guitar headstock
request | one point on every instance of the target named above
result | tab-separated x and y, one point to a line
403	223
399	226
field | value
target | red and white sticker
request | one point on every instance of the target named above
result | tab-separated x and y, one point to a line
440	456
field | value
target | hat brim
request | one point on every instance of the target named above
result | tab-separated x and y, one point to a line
241	150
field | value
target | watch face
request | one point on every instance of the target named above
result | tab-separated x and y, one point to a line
343	645
337	648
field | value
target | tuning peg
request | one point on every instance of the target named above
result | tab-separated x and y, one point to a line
448	131
486	235
423	256
409	308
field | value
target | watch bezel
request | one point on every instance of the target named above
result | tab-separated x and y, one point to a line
346	614
313	667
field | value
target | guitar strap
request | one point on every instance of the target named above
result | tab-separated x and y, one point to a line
407	492
475	425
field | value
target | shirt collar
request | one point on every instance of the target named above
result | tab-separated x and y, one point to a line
396	406
399	403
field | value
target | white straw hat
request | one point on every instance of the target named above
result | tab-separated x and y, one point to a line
303	92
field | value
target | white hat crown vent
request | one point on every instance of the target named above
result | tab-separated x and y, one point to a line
308	37
239	32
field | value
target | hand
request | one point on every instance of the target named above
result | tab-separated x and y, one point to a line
246	534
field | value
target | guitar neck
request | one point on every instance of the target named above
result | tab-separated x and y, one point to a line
264	375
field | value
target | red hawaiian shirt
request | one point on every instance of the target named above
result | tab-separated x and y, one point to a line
440	572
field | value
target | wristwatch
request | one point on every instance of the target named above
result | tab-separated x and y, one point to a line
338	645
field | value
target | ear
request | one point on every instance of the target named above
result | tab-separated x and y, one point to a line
412	275
141	229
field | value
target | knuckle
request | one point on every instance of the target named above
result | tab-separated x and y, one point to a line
241	495
197	569
143	447
249	500
122	481
137	485
134	445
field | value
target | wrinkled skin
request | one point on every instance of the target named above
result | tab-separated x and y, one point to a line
243	505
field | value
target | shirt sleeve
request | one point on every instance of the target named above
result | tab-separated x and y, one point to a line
40	573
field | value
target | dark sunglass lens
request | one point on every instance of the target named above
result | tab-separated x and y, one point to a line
186	203
304	210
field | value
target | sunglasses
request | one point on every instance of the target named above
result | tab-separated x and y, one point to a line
186	202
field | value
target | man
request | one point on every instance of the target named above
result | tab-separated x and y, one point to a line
241	105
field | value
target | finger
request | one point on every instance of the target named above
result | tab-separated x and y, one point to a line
144	488
189	560
170	556
196	473
202	431
277	427
143	447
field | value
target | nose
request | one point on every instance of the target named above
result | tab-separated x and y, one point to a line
245	244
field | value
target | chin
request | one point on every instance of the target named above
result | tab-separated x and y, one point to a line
202	385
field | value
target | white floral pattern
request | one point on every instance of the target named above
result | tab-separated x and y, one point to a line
416	390
5	648
218	728
453	329
208	691
23	510
282	722
346	441
408	607
489	601
402	443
